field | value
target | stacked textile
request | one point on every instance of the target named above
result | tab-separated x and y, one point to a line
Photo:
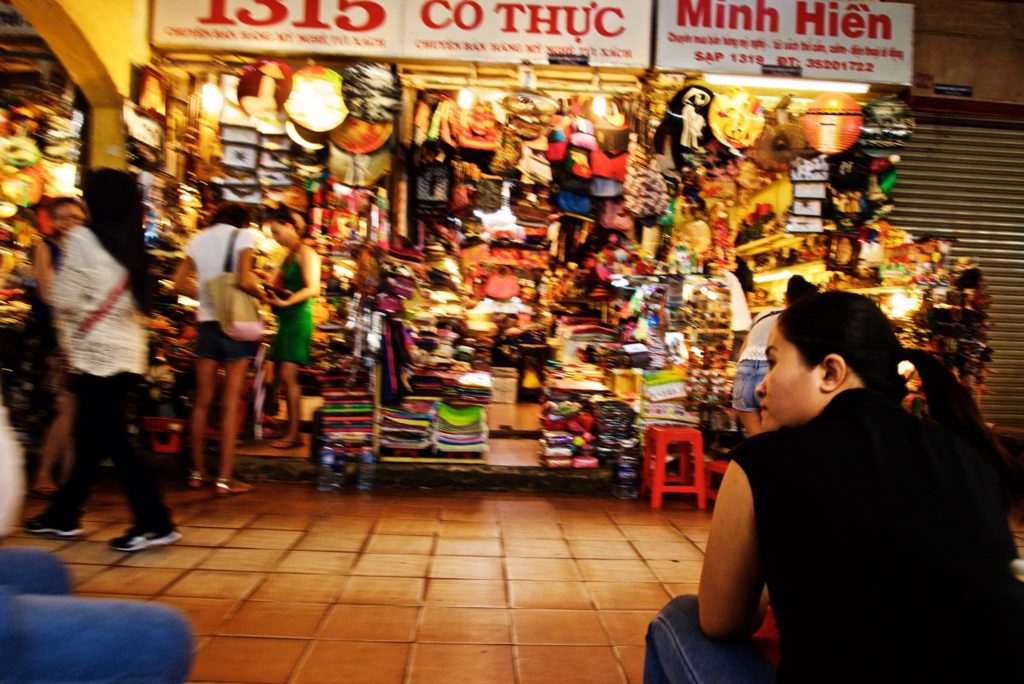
411	426
347	414
462	429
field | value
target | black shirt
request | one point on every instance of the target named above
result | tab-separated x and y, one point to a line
886	548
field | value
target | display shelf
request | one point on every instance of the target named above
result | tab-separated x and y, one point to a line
769	244
783	273
884	289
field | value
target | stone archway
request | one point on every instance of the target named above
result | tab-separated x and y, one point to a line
97	42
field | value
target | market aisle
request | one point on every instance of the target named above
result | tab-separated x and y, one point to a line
289	584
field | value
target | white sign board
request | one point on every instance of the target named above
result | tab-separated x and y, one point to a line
348	27
870	42
599	33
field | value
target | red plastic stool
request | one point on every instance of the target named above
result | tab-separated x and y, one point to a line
659	441
164	434
715	467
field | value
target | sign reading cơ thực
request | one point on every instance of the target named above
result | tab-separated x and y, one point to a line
870	42
598	32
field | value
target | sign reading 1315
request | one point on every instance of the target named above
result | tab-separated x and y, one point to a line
347	15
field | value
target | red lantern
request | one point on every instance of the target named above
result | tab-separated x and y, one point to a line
832	122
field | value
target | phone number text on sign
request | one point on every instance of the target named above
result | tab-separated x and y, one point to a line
359	26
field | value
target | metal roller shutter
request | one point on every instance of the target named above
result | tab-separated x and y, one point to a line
962	178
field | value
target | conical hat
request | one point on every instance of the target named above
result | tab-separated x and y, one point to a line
360	136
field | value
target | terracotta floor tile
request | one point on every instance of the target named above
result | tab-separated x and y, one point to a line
465	625
107	514
354	662
384	591
651	533
296	588
215	584
228	519
391	565
583	515
674	551
515	529
81	573
456	528
563	664
134	581
638	518
683	572
537	548
696	534
36	543
436	664
606	549
590	531
466	593
92	553
628	596
237	659
561	627
627	627
562	595
682	589
343	525
466	567
349	542
387	543
451	546
204	614
265	539
486	514
615	571
406	526
413	512
316	562
632	659
205	536
273	521
252	560
370	623
272	619
688	518
548	569
175	556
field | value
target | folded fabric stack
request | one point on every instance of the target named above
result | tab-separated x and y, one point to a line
472	389
460	429
347	414
411	426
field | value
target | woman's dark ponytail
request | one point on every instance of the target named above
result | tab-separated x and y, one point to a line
950	404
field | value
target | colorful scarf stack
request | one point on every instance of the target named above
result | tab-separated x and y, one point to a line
347	414
461	429
409	427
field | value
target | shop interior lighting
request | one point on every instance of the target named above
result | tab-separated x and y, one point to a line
211	95
600	105
769	277
466	94
787	83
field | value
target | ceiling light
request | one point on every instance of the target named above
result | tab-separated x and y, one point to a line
212	97
787	83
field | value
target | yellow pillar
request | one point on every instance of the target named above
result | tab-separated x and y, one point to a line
97	42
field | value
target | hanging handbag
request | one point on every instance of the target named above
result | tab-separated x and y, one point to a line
237	312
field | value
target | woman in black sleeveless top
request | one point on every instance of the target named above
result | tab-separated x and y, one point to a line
883	541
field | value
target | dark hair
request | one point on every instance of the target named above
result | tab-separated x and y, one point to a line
58	202
798	288
288	216
115	211
233	214
853	327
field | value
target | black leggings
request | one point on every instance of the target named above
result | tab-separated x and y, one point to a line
101	429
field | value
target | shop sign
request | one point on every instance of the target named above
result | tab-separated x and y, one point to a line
595	32
12	24
351	27
869	42
145	137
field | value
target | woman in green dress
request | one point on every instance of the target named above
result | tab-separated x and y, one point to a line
296	285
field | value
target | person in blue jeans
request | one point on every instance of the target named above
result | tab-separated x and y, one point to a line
46	635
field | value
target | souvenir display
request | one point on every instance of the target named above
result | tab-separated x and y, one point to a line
736	118
263	88
888	126
832	122
315	101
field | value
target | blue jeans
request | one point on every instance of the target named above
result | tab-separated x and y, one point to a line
48	636
678	652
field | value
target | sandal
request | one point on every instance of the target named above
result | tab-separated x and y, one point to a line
286	444
226	487
196	479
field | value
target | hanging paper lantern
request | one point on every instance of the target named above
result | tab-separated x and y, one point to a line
24	188
832	122
736	118
888	126
316	101
305	138
264	87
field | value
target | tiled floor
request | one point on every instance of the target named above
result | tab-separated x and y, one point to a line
291	585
